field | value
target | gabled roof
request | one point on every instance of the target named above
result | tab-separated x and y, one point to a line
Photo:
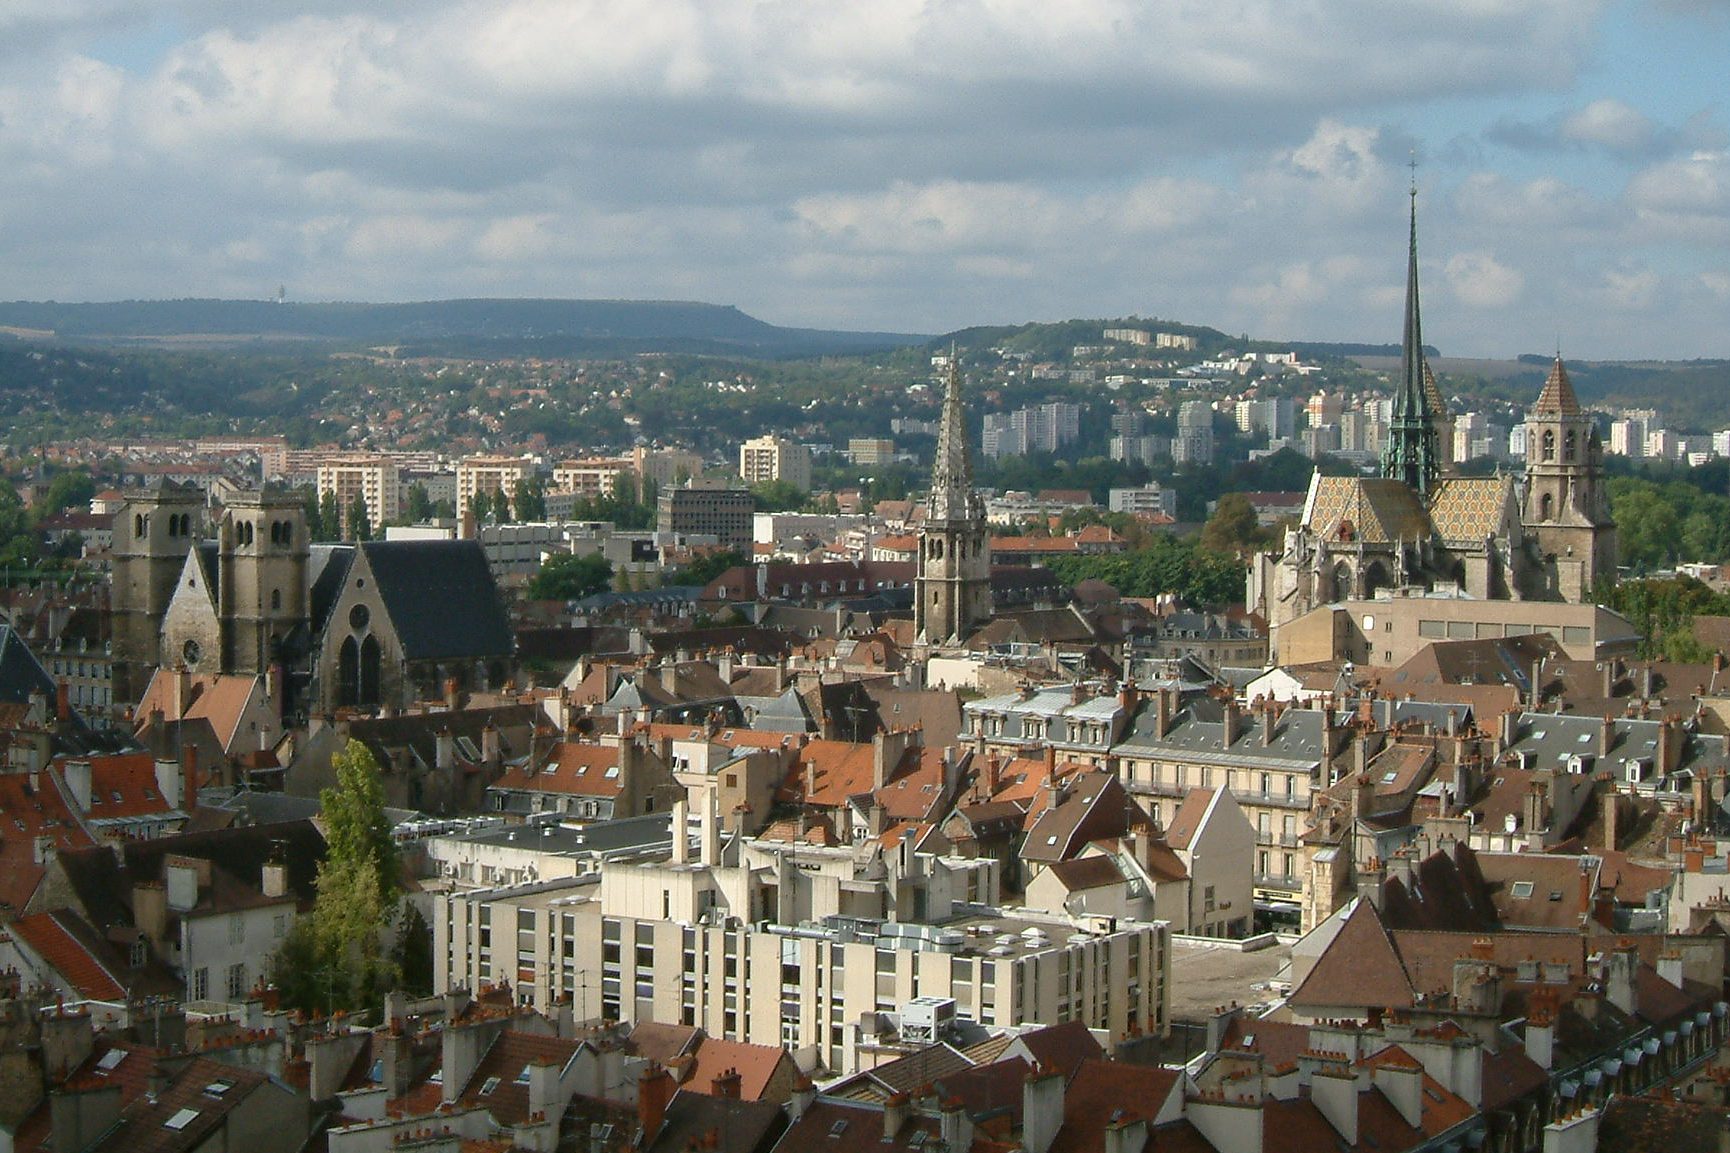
1471	509
573	768
21	674
505	1066
755	1064
1360	968
441	598
217	698
1095	806
1100	1089
55	938
738	1126
27	813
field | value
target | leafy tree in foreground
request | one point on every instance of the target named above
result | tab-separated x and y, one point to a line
566	577
335	958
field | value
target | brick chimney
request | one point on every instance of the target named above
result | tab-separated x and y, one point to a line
727	1085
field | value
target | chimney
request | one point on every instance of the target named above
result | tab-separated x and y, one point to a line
1541	1039
1609	687
189	777
77	776
544	1094
1162	712
895	1111
62	702
1606	736
1670	967
681	837
444	748
1041	1111
1125	1135
453	695
1228	723
1647	682
956	1126
1453	729
1269	712
274	881
670	677
182	692
804	1096
1574	1133
711	829
490	755
1534	809
654	1090
726	1085
1334	1091
1403	1086
1621	970
1670	742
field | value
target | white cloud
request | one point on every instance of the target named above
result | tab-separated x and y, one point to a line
1610	124
1479	280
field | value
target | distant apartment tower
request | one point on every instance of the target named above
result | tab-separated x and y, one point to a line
1037	428
1149	498
374	479
1174	340
1194	441
595	477
1126	335
707	506
1140	449
1628	437
491	475
871	450
770	458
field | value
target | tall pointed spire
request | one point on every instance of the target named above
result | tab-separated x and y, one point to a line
952	472
1412	453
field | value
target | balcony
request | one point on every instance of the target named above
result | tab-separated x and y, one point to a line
1279	800
1157	788
1278	881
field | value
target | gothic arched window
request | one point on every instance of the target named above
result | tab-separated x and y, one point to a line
1549	444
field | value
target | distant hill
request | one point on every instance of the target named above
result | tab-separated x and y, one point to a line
483	327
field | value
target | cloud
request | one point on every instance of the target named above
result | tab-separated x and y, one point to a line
1479	280
908	164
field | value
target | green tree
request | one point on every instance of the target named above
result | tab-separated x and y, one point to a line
413	954
334	958
66	490
1233	527
777	496
329	517
530	499
420	505
707	567
359	519
567	577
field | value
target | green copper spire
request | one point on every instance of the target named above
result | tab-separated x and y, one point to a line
1412	453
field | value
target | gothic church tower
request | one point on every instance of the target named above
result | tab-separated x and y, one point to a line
153	533
952	593
1567	508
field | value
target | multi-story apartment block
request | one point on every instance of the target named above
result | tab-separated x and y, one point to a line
594	477
491	475
1077	725
793	945
1194	441
707	507
1037	428
771	458
1149	498
1127	335
1174	340
373	479
871	450
1271	764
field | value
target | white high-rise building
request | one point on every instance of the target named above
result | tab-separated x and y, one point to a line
770	458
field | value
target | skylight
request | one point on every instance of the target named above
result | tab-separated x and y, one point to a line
1523	889
111	1060
181	1120
488	1086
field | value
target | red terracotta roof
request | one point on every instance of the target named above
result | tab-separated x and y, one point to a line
574	768
1358	969
26	813
54	942
755	1064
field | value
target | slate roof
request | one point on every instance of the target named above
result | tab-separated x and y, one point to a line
740	1126
21	674
506	1059
143	1128
441	598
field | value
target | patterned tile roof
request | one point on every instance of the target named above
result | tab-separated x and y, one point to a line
1375	510
1469	509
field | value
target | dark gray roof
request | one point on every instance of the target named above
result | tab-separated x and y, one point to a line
21	674
1199	729
441	598
328	565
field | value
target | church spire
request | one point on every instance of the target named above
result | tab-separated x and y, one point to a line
1412	453
952	473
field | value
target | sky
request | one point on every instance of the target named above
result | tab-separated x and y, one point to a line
898	165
